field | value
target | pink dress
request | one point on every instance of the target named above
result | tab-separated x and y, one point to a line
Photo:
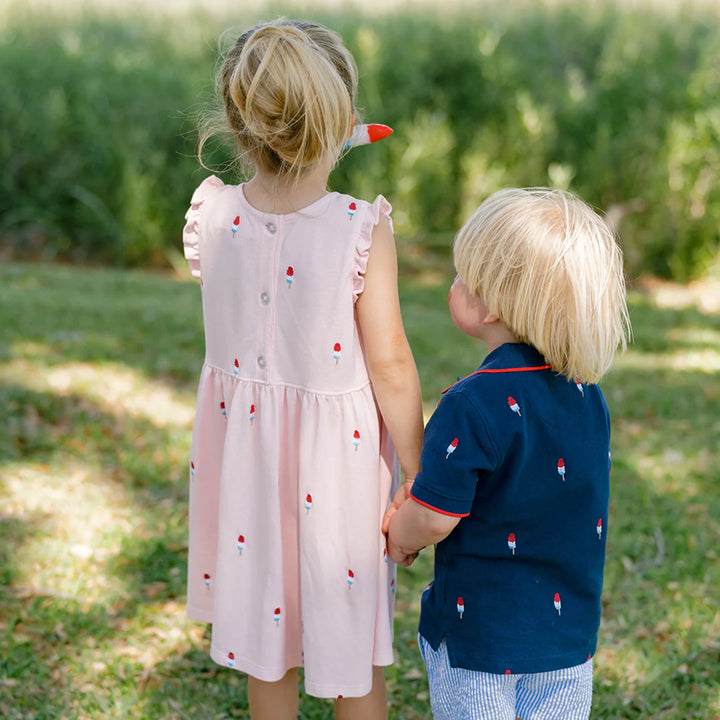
291	467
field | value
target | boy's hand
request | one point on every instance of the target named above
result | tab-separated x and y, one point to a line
398	555
401	496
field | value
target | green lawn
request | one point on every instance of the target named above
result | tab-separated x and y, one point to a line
97	377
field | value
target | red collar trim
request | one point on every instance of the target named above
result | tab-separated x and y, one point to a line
500	370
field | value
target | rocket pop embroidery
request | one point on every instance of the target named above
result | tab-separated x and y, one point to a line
252	413
352	209
580	387
511	542
290	276
451	448
460	607
308	503
350	578
561	469
231	659
599	529
241	543
356	440
192	470
207	580
277	613
235	225
558	604
222	409
337	352
512	404
236	366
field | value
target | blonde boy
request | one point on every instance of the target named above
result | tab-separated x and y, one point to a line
515	466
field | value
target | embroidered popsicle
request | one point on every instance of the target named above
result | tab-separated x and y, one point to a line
337	352
356	440
350	578
241	543
207	580
580	387
352	209
308	503
252	413
366	134
192	469
222	409
290	276
513	405
460	607
599	529
236	366
558	604
451	448
511	542
231	659
235	225
561	468
277	613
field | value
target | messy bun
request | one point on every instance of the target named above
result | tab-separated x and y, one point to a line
288	88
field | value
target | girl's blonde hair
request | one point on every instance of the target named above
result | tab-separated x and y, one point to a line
550	268
288	89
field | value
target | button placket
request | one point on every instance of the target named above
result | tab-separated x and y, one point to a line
271	228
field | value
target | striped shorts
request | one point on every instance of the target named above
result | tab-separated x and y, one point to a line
461	694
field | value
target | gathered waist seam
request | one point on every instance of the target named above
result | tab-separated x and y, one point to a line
292	386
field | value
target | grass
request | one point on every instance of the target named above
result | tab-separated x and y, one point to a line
98	370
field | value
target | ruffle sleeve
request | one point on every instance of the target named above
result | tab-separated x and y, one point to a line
193	222
364	240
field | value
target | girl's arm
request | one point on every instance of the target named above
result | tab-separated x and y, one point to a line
390	362
415	526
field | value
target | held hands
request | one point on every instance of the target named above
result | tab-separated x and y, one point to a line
401	496
399	555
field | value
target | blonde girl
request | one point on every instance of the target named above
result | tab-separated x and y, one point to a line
308	393
515	465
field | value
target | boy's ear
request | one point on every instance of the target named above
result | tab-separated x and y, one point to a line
489	319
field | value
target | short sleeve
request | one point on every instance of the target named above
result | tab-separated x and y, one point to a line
456	448
193	222
364	240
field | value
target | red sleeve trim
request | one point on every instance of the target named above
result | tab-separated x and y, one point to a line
437	510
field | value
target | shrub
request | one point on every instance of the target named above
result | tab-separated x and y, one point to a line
621	106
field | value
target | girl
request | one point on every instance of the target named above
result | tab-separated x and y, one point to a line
516	463
307	391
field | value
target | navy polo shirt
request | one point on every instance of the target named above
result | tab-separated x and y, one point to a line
523	457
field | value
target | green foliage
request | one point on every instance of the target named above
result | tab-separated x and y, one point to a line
619	105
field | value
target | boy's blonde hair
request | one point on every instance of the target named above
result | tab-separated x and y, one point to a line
549	267
288	89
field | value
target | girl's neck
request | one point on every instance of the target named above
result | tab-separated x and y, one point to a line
271	193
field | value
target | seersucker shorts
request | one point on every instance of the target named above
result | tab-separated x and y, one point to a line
462	694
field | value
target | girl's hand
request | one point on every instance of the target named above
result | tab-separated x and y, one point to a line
401	496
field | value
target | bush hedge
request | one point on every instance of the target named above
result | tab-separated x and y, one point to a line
621	106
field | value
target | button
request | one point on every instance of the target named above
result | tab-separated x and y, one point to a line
271	227
261	362
265	298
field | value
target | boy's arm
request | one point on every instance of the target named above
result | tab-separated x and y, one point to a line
415	526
